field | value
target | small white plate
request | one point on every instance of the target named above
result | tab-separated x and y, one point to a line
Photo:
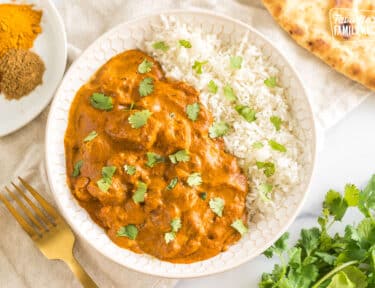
50	45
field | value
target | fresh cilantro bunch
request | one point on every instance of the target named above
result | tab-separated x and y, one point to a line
320	259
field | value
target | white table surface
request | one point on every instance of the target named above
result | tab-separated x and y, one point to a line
348	156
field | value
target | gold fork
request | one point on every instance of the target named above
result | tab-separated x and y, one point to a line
47	228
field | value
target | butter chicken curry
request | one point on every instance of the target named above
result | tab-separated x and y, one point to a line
142	160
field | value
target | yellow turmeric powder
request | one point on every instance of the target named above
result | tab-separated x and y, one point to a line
19	26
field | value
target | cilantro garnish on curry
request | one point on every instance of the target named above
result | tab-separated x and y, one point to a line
147	161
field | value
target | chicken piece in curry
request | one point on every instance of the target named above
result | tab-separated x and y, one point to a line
141	161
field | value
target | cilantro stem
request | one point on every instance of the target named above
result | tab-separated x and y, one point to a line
333	272
284	265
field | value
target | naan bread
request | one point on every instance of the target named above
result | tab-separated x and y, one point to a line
307	21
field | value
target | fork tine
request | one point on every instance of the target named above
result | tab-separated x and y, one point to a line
27	211
26	226
49	208
37	210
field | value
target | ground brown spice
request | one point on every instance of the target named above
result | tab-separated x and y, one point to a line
20	72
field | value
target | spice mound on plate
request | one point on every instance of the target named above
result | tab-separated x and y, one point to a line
20	69
20	72
19	26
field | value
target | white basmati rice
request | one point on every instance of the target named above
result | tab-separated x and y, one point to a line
248	84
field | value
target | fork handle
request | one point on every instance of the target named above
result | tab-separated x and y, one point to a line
80	273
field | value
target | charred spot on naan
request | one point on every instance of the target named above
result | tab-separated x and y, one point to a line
318	45
355	69
296	30
335	60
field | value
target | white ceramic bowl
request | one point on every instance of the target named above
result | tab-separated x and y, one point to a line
262	233
50	45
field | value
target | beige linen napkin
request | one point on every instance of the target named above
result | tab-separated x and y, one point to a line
22	153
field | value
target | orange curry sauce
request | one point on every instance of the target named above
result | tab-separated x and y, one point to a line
203	234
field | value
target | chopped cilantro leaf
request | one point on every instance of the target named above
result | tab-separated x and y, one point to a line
276	121
198	66
276	146
105	182
101	102
145	66
108	171
172	183
212	87
246	112
176	224
77	168
258	145
139	194
90	136
236	62
217	206
146	86
169	237
139	118
203	195
271	82
268	168
218	129
194	179
193	111
153	158
239	226
129	169
265	190
229	93
160	46
185	43
129	231
180	156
